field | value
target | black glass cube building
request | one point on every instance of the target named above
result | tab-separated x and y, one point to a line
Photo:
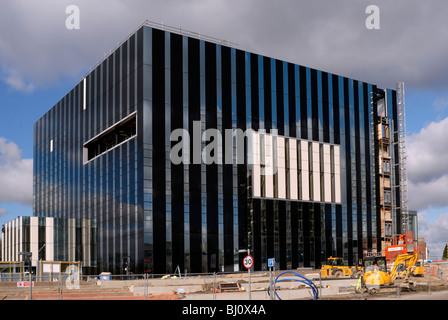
104	153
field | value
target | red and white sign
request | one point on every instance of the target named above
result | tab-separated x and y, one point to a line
21	284
248	262
391	249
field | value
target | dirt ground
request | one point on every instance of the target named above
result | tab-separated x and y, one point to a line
434	279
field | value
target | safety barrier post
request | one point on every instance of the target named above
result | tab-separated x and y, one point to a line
320	285
145	286
214	285
60	289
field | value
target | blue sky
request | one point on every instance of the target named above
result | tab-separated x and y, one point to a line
41	60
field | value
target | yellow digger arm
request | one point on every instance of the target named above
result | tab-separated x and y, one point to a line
408	260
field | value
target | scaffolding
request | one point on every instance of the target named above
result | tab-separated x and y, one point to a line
402	156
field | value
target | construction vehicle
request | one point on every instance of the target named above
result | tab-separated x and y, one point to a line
403	244
337	268
376	276
418	270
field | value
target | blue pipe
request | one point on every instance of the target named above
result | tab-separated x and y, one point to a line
305	281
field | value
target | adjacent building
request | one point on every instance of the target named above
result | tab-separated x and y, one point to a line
50	239
309	178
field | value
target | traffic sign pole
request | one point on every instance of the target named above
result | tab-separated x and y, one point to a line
271	265
248	262
250	289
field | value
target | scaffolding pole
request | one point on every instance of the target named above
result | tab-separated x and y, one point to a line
402	157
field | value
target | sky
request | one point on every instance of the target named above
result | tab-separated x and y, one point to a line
41	60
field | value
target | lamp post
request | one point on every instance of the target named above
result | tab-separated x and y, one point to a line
27	256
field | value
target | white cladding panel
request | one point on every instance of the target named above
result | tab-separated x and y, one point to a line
288	168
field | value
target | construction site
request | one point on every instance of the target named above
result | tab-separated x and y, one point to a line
278	285
363	245
391	263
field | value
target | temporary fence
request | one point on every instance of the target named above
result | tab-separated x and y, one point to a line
56	271
11	271
106	286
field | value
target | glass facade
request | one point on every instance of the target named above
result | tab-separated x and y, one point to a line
192	215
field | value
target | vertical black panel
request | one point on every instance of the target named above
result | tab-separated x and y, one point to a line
306	233
328	231
124	77
105	104
348	161
256	245
132	74
117	92
314	106
337	129
227	168
139	255
267	93
282	233
255	108
270	228
325	108
212	169
303	104
115	231
358	168
292	101
280	98
367	147
139	67
125	201
317	235
177	170
240	90
132	203
339	244
133	224
294	235
110	94
159	183
195	169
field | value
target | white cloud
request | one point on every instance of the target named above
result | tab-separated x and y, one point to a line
325	34
428	166
16	174
3	212
440	103
14	80
435	233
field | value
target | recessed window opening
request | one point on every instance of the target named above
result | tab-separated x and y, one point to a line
110	138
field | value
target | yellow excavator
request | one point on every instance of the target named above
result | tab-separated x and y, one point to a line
418	270
337	268
375	270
